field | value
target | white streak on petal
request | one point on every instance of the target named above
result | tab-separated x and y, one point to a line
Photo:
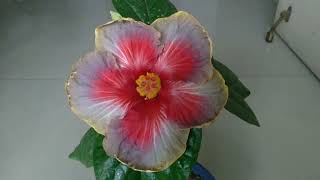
195	105
166	147
96	112
182	33
133	43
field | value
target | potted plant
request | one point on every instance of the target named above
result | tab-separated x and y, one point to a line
146	90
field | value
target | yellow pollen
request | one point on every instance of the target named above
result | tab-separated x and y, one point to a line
149	85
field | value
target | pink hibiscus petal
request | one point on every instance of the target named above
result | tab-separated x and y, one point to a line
187	48
193	105
134	44
145	139
98	92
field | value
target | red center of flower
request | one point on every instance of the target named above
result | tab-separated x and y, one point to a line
148	85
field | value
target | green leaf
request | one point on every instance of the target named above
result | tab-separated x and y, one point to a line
190	156
232	81
106	167
236	103
84	151
238	106
144	10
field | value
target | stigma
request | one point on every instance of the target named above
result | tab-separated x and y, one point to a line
148	85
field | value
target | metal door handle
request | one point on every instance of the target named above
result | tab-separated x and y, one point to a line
284	15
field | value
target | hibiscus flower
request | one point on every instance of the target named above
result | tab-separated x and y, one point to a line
145	86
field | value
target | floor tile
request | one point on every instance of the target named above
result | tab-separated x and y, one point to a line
38	132
286	145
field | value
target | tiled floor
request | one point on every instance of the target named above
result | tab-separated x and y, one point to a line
41	39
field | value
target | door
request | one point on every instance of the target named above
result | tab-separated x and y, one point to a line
302	32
